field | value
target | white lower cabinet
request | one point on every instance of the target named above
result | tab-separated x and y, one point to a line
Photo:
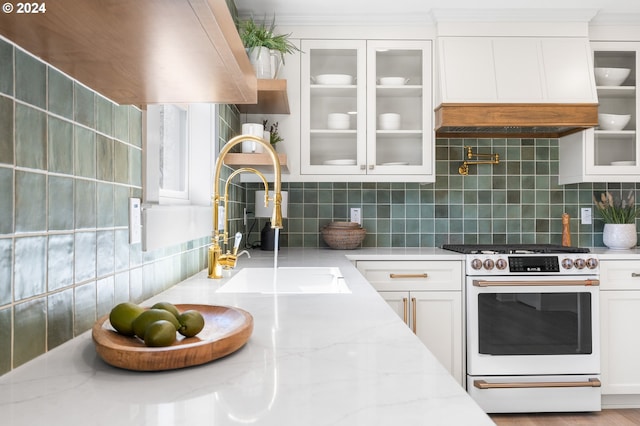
427	295
620	339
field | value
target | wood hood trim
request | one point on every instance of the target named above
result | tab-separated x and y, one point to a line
518	120
141	52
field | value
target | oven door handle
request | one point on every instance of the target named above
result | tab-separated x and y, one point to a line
482	384
485	283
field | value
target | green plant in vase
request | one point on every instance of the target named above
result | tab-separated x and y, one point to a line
261	41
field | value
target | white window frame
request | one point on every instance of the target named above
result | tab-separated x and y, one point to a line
172	217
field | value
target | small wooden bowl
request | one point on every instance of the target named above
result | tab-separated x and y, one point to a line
225	331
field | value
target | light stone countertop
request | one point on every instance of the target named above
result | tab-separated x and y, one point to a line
341	359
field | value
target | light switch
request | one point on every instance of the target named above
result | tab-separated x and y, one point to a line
585	216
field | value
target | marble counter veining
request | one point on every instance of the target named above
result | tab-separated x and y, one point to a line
322	359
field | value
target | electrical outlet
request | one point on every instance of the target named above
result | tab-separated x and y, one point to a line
585	216
356	215
135	222
244	216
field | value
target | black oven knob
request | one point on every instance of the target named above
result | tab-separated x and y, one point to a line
580	263
488	264
567	263
476	264
501	264
592	263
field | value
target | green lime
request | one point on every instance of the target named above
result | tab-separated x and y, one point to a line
160	333
123	315
191	323
152	315
167	307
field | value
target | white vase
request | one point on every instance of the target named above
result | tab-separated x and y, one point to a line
260	58
620	236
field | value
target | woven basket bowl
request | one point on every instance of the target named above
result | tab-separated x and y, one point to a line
343	238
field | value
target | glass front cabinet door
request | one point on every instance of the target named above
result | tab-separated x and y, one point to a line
610	152
367	109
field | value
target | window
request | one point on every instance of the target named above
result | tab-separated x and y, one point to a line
179	158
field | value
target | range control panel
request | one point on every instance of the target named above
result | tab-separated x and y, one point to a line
532	264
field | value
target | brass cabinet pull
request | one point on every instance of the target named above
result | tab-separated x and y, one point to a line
424	275
406	310
482	283
415	314
591	383
635	275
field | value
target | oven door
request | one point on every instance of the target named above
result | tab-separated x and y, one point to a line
539	325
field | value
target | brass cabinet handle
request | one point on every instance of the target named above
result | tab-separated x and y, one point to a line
415	314
483	283
482	384
406	310
635	275
392	275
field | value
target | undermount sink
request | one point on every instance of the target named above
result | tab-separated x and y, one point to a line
287	280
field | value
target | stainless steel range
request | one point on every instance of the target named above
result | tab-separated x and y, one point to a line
532	327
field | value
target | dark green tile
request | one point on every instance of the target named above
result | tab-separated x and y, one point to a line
104	147
105	260
84	106
61	210
84	307
59	318
31	79
6	68
60	146
6	129
6	325
121	123
6	271
121	163
7	196
84	203
30	330
60	94
135	127
31	203
104	115
85	152
135	166
105	203
31	140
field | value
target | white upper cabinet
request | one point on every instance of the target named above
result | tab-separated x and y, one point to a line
605	155
359	144
515	70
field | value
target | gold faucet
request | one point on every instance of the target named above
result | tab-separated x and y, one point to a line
217	260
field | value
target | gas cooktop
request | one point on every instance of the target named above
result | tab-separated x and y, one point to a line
512	248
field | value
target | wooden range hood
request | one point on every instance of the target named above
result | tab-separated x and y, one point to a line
143	51
515	87
524	120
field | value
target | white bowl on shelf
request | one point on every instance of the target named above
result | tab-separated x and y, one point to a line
334	79
393	81
613	121
338	121
611	76
389	121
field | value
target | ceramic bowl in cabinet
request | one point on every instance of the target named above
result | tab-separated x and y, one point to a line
334	79
613	121
389	121
611	76
338	121
393	81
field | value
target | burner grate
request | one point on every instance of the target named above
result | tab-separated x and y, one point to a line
512	248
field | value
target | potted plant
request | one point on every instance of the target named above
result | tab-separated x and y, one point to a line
262	43
620	220
274	136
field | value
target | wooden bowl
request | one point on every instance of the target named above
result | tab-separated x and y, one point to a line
225	331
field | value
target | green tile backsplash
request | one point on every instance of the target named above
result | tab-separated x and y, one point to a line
516	201
69	161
